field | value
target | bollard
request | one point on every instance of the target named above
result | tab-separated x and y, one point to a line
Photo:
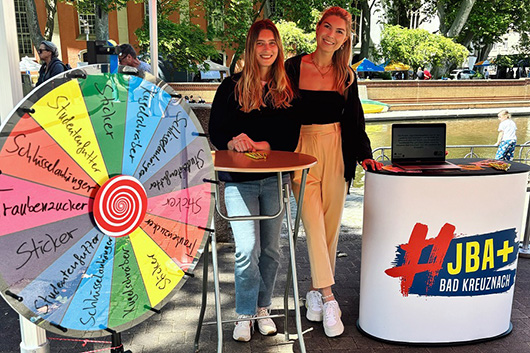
33	338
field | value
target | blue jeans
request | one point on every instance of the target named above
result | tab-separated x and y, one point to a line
505	150
257	256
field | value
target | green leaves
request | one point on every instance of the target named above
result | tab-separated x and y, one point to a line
184	44
295	40
419	48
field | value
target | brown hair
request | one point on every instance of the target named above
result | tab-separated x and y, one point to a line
341	58
249	90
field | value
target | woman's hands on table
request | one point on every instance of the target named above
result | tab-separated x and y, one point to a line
370	164
243	143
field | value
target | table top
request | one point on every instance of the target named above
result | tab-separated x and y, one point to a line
470	167
276	161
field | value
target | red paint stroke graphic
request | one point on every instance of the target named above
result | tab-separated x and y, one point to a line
120	205
413	250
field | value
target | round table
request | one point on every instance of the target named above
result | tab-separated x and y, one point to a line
276	162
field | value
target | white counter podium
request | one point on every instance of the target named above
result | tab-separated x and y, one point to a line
439	254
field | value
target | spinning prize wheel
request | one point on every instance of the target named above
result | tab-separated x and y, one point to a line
103	203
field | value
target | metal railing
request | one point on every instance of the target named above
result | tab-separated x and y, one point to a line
522	152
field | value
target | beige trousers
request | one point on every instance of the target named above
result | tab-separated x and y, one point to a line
324	198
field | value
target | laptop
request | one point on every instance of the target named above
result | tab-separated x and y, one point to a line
420	147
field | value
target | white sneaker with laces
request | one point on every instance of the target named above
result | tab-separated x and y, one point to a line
243	329
266	326
314	306
333	325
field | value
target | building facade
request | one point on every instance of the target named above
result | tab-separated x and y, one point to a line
72	29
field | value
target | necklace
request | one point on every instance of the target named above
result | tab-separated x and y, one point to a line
322	73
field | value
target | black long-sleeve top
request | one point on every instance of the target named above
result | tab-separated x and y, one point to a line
279	127
325	107
56	67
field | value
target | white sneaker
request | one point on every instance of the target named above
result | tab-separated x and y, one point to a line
243	329
332	323
265	326
313	303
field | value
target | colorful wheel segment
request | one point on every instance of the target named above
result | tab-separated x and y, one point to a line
104	207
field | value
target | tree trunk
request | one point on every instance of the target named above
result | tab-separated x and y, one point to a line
33	23
484	52
51	10
101	24
235	58
365	29
466	42
461	17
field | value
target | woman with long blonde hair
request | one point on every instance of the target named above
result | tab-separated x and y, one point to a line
252	111
333	130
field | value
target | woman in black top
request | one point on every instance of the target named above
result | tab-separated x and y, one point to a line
51	65
333	130
251	111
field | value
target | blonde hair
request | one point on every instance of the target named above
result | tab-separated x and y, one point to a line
249	90
344	76
504	113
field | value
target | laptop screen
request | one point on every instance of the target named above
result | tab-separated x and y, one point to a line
418	143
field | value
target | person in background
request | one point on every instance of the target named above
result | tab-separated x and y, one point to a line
427	75
333	131
252	111
486	74
419	73
51	65
128	57
507	137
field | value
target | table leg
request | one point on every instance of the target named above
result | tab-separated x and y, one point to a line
295	237
217	296
204	293
291	272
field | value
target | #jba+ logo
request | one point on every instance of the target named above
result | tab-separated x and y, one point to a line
447	265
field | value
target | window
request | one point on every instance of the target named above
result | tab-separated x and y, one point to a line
25	48
87	19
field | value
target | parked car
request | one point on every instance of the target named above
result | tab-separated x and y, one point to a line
462	74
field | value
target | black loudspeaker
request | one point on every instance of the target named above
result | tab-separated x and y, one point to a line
99	52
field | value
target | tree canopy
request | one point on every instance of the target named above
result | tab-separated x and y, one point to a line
184	44
419	48
295	40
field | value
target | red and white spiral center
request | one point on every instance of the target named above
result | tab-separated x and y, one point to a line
120	206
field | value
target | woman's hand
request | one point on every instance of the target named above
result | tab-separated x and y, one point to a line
370	164
242	143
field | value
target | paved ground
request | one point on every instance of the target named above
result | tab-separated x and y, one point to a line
174	329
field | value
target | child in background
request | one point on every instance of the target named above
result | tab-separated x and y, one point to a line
507	138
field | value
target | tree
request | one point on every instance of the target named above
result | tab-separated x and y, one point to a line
366	18
184	44
462	11
419	48
33	21
399	12
101	9
295	40
479	24
237	16
302	12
